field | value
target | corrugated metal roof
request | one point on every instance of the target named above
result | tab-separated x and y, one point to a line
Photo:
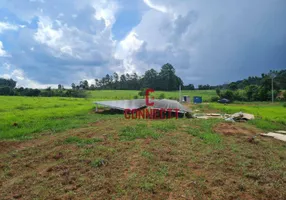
141	103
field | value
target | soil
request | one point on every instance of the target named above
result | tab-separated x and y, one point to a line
174	166
228	128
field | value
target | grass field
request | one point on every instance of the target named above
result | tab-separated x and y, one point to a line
129	94
60	148
22	116
268	116
142	159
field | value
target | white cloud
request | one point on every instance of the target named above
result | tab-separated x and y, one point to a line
3	53
105	10
6	26
74	39
128	45
7	66
22	81
47	35
155	6
18	74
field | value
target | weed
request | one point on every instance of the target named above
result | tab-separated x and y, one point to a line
204	131
163	171
266	125
98	163
147	154
80	141
210	138
136	132
147	186
164	126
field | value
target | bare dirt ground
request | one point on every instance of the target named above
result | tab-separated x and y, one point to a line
176	165
236	128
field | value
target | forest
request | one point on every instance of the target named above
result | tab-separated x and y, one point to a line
253	88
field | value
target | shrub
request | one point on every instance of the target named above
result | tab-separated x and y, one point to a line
228	94
284	105
135	97
214	99
98	162
162	96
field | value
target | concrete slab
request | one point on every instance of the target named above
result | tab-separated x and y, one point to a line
277	136
281	132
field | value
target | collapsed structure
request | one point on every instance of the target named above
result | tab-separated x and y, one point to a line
164	108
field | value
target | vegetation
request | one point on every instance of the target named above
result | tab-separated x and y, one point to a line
273	113
205	160
22	116
8	88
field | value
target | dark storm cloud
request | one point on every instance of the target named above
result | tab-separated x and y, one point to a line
225	40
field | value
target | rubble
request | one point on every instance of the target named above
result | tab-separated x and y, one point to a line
276	135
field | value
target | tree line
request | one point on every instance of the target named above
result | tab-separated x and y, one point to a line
253	88
8	88
164	80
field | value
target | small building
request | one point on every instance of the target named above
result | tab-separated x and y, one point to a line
186	99
198	99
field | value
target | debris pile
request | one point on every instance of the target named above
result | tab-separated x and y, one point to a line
279	135
239	117
236	117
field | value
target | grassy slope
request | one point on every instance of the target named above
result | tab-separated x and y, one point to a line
38	114
21	116
143	159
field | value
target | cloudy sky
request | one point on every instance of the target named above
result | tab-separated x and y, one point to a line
49	42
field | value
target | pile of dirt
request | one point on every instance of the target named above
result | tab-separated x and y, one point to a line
235	128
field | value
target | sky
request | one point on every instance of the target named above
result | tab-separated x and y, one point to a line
49	42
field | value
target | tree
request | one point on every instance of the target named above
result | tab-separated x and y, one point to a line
73	86
218	92
122	82
142	92
83	84
252	92
167	78
228	94
116	77
233	86
60	87
8	82
150	79
189	87
5	90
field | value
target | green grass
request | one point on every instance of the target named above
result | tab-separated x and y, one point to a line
99	162
80	141
23	116
203	130
129	94
138	131
268	116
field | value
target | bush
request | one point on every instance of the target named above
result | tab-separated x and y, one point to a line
228	94
284	105
135	97
162	96
214	99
